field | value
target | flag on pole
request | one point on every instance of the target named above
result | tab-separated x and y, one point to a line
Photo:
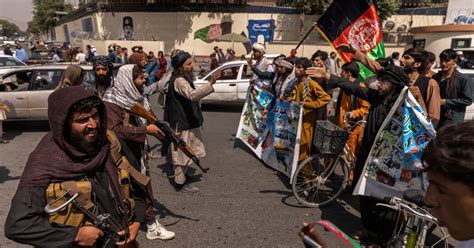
212	32
353	22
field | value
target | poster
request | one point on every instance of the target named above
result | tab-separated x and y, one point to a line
265	28
460	12
271	129
394	162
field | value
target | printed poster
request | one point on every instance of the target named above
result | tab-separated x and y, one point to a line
394	162
271	129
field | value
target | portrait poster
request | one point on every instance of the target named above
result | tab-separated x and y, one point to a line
394	162
271	129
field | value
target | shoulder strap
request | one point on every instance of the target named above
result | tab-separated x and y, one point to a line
423	83
82	198
122	161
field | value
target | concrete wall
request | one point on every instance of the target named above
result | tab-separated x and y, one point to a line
176	30
416	20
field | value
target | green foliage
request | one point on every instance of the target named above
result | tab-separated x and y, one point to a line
9	29
44	14
385	8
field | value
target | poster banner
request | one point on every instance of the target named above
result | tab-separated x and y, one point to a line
271	129
394	162
265	28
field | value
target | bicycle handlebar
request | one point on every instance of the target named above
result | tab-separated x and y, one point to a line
398	204
348	126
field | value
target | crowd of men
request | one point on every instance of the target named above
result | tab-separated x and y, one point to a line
443	95
100	140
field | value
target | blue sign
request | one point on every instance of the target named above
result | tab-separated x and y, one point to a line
261	27
73	34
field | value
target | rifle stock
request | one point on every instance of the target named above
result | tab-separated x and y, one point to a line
169	134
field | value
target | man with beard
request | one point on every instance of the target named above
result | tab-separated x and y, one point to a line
455	90
391	81
262	64
414	61
183	113
311	97
119	99
103	75
75	152
320	60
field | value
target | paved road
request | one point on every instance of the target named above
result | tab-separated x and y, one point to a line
241	202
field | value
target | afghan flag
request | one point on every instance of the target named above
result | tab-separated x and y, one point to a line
212	32
353	22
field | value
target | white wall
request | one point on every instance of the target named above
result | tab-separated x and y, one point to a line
437	42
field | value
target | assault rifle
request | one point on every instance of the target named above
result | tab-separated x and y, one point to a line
102	221
169	134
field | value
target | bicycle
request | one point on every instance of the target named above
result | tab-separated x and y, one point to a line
321	178
417	222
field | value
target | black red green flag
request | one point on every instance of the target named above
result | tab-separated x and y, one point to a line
353	22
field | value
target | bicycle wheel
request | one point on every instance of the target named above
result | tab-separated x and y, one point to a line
319	180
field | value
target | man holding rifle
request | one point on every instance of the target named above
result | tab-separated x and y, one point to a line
183	113
75	156
119	100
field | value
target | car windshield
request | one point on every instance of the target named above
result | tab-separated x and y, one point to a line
9	61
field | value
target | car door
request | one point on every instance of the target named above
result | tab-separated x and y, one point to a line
245	75
16	99
225	89
42	85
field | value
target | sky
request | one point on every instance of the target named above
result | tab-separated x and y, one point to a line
17	11
20	11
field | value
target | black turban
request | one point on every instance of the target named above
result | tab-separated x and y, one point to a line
394	74
103	61
179	59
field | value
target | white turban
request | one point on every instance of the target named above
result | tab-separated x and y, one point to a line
259	47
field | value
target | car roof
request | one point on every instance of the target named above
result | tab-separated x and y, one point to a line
49	67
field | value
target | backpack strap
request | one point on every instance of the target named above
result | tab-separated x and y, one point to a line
82	198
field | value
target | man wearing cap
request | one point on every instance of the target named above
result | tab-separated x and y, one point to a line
262	64
391	81
183	113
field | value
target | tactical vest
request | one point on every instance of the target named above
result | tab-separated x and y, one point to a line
72	216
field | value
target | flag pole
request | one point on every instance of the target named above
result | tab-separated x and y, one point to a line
294	50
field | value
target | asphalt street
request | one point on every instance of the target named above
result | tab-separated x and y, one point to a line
241	203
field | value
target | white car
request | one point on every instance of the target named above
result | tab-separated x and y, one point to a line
9	63
233	84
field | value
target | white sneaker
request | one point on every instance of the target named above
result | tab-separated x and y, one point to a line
158	231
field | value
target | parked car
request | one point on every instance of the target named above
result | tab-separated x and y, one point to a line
42	56
8	63
233	84
32	103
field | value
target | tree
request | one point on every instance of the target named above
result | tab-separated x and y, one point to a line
9	29
385	8
45	16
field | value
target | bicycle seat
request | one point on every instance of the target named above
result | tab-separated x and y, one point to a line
414	196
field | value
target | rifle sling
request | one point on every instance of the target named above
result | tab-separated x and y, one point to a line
85	201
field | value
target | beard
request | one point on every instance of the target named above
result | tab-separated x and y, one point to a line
105	80
79	141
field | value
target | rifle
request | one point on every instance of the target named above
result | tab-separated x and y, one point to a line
169	134
102	221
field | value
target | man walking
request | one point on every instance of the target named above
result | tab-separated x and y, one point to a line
119	99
